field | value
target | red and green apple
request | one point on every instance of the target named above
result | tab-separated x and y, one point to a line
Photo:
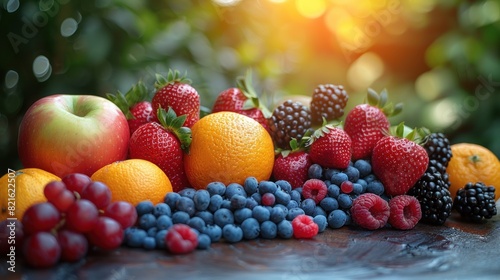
65	134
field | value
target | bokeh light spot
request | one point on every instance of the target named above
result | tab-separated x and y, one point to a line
42	68
226	2
311	8
365	70
69	27
430	85
11	5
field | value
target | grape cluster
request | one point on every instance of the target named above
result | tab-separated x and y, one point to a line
78	214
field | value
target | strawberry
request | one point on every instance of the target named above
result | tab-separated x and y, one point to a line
366	123
399	162
176	92
292	165
330	147
134	105
164	144
243	100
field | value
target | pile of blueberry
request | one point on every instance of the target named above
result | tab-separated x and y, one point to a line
264	209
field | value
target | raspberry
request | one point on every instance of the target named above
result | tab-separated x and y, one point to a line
304	227
315	189
181	239
405	212
370	211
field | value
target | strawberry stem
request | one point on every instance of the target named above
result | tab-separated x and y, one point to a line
381	101
170	121
173	76
253	101
136	94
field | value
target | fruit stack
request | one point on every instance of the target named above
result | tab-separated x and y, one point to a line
240	172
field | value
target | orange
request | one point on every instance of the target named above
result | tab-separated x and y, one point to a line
228	147
473	163
22	188
134	180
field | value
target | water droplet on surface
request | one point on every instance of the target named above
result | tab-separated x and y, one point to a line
69	27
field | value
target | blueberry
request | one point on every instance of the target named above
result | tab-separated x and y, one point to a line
352	173
337	219
171	200
260	213
329	204
160	239
282	197
370	177
315	171
375	187
299	190
144	207
308	206
242	214
215	203
152	231
164	222
251	203
268	230
226	204
345	201
364	167
196	223
214	188
180	217
201	200
223	217
363	184
267	187
327	175
135	237
357	188
321	221
187	192
149	243
292	204
277	214
283	207
232	233
284	185
251	185
147	221
257	197
233	189
162	209
338	178
214	232
285	229
250	228
294	212
295	195
206	216
318	211
333	191
238	201
204	241
186	204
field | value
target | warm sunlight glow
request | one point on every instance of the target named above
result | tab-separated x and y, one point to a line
311	8
365	70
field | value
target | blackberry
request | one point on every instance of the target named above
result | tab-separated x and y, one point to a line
438	148
441	169
289	120
328	101
434	197
475	202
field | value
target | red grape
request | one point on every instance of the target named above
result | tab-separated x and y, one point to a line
82	216
57	194
11	234
40	217
41	250
98	193
123	212
107	234
53	189
181	239
74	245
76	182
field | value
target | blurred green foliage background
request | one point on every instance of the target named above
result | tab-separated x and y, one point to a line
441	58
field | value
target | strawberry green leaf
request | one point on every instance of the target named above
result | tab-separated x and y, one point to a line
171	122
383	97
253	101
173	76
373	97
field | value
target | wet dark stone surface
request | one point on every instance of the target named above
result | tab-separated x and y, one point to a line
456	250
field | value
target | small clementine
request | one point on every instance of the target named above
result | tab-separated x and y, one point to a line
134	180
473	163
22	188
228	147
